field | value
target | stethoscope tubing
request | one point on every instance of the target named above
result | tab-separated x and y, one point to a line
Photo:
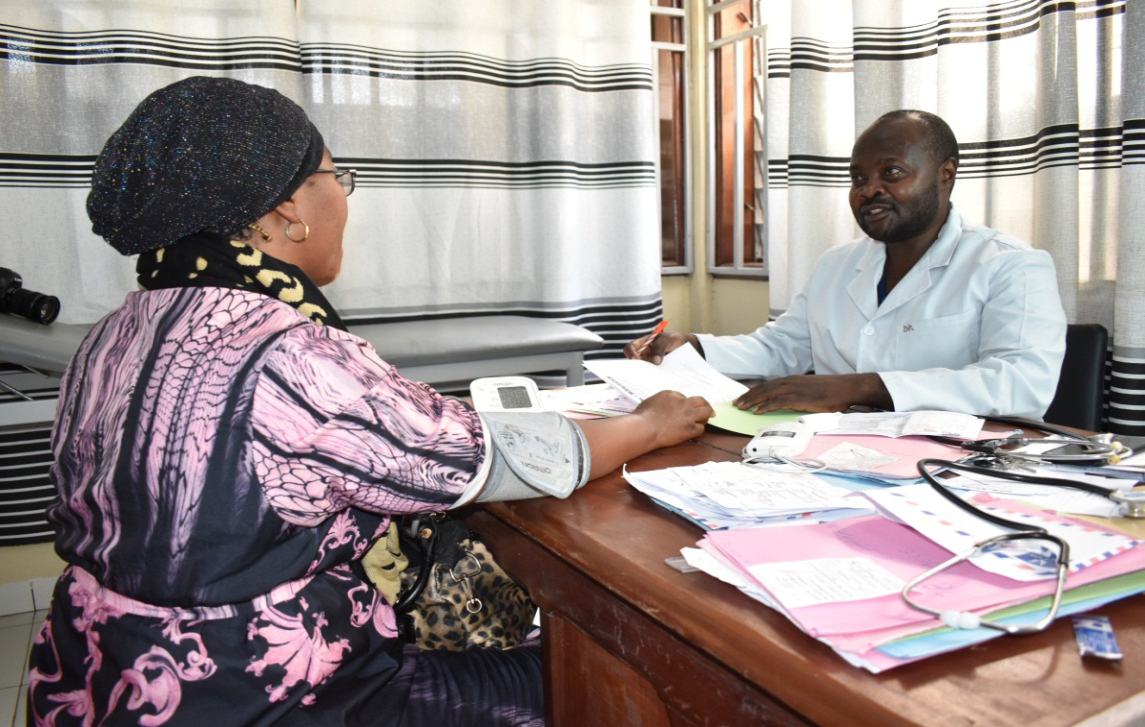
963	504
1009	475
1100	452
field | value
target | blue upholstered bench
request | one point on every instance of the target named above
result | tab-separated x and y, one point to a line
447	352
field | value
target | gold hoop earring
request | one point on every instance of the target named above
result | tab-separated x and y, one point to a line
305	230
257	228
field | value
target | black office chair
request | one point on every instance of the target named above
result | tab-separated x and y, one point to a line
1079	398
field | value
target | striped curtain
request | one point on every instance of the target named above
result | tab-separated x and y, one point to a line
506	149
1047	100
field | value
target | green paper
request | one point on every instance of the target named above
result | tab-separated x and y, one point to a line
1111	588
730	418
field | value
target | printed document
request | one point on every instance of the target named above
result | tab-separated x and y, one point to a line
734	494
800	583
590	401
683	370
897	424
1050	497
948	526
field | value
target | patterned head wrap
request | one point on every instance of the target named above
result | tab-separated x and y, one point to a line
203	154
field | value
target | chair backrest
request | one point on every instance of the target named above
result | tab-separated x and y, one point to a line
1079	397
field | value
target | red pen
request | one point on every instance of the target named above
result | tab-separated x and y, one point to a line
652	337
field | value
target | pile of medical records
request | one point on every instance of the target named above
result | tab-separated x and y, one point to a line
841	581
864	525
855	450
717	495
885	446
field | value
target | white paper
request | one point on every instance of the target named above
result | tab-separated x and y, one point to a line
683	370
733	492
1059	498
1135	461
901	424
850	457
801	583
956	530
601	399
738	487
702	560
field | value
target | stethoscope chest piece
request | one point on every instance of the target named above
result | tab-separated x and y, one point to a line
1132	502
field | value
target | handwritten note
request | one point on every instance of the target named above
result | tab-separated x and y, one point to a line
799	583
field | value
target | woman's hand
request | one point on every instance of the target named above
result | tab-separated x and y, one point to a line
661	420
661	345
673	417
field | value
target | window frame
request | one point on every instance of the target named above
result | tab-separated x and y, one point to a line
685	264
720	262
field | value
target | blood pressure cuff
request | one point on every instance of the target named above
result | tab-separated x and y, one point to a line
533	454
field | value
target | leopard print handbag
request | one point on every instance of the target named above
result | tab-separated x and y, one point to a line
454	594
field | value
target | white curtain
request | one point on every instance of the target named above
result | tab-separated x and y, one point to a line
1047	100
505	148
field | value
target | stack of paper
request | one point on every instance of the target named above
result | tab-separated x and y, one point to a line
877	456
1054	497
682	370
718	495
885	445
840	581
897	424
591	401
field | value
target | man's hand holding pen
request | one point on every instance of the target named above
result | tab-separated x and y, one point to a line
657	344
648	340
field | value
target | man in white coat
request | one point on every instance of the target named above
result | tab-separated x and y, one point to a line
926	312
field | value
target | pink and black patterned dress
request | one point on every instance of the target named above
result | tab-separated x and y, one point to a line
220	462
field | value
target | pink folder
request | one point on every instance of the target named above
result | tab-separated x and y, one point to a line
902	551
906	450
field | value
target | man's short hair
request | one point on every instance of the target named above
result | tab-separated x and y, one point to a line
940	141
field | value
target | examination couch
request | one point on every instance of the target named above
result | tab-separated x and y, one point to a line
446	353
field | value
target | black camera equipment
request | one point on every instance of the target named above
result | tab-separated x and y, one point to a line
19	301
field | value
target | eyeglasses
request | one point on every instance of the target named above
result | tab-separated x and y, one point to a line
345	177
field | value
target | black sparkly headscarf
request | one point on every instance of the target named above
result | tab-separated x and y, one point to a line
201	155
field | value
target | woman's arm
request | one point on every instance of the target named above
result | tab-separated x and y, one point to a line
659	421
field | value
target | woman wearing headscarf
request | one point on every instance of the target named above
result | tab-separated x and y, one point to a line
225	451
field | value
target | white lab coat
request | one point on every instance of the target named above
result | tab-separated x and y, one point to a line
976	326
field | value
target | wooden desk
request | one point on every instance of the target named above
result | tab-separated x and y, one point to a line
630	641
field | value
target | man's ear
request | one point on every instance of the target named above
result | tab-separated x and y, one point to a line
947	173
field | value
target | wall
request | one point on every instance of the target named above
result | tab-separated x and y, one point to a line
25	562
702	303
730	305
27	576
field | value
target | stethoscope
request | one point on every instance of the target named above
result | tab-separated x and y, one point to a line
995	460
1098	449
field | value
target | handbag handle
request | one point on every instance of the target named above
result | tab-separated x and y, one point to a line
427	532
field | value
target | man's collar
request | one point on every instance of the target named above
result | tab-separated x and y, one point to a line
940	252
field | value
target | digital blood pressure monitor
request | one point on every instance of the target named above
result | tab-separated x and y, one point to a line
505	393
